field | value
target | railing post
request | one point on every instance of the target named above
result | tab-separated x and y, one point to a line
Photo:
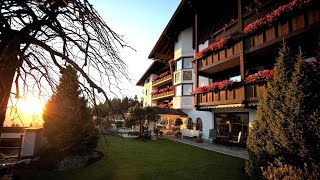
20	147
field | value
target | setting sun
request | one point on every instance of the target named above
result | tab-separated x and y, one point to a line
31	105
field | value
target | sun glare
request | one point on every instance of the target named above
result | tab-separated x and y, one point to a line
31	105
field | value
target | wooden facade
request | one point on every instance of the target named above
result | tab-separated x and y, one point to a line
244	47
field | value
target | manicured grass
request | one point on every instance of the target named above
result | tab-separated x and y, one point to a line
160	159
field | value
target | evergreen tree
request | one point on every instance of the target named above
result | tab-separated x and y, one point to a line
68	123
287	132
261	144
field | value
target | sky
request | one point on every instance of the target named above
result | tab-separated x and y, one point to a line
141	23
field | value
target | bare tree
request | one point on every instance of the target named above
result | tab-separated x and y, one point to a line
38	38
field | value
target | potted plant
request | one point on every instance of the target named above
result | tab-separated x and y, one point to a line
178	134
156	131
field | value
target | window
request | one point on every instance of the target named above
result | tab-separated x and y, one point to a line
178	90
147	92
230	124
187	63
187	89
148	80
190	124
178	65
236	78
177	77
187	75
199	124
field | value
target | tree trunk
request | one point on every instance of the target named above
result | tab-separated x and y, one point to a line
8	65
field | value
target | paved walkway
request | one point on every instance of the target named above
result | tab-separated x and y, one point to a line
232	151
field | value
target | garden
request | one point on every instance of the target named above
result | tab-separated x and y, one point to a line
157	159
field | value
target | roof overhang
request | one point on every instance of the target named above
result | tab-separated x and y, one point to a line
223	106
153	68
170	111
182	18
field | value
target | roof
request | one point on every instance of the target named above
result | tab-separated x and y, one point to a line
170	111
181	19
209	20
153	69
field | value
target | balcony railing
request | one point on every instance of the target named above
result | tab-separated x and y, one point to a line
222	97
162	95
162	81
288	28
220	57
253	92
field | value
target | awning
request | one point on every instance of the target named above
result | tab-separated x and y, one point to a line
223	106
170	111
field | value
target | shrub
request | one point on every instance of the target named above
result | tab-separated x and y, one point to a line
197	139
161	133
178	134
156	131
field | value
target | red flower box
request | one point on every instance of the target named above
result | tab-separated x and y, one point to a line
270	18
214	46
264	75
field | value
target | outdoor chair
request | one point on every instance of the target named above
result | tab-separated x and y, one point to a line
238	139
212	135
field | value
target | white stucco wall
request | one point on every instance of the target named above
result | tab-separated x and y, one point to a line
183	102
148	86
203	81
204	45
184	45
207	120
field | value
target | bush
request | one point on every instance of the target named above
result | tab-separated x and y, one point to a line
178	134
119	124
279	170
156	131
197	139
161	133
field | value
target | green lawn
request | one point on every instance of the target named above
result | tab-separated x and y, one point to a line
159	159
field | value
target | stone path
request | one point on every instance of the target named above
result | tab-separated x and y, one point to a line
232	151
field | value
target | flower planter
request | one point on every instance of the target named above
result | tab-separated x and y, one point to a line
283	29
298	22
270	34
313	16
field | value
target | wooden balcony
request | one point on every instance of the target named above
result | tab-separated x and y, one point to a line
223	97
255	91
221	60
165	80
286	29
246	93
164	95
